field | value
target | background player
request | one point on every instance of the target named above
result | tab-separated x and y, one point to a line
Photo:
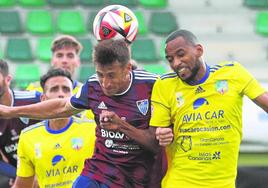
54	150
10	128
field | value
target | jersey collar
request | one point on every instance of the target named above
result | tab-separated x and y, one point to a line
60	130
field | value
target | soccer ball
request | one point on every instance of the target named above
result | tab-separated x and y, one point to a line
115	21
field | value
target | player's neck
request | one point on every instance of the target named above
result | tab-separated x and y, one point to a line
58	124
6	98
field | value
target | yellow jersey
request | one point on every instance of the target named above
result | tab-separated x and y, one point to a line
56	157
207	124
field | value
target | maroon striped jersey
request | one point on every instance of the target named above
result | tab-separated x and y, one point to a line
118	160
10	128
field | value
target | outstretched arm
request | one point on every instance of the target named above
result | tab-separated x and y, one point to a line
262	101
49	109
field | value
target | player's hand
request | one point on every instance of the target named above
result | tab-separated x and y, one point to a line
164	136
109	120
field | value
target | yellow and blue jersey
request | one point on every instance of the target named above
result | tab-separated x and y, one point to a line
56	157
207	124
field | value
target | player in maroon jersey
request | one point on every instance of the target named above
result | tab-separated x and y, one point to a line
10	128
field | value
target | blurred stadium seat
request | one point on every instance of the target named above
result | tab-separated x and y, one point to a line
85	72
70	22
10	22
262	23
43	51
22	48
39	22
61	3
162	23
91	2
7	3
32	3
144	50
256	3
86	54
143	28
154	3
25	74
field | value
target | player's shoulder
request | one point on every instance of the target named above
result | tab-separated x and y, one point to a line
33	128
83	123
141	74
169	76
225	66
26	94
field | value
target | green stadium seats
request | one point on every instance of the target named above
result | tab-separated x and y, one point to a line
262	23
70	22
86	54
91	20
162	23
144	50
156	68
43	51
92	2
127	3
39	22
85	72
25	74
7	3
32	3
256	3
143	29
162	49
153	3
18	49
53	3
10	22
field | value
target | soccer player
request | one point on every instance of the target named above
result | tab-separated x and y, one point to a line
66	55
124	149
204	104
10	128
54	150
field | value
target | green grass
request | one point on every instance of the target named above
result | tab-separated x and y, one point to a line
253	159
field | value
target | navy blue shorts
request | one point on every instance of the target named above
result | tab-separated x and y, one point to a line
86	182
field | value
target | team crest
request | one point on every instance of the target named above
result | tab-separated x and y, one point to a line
185	143
179	99
77	143
143	106
221	86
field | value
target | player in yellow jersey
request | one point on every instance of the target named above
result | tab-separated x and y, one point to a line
204	105
54	150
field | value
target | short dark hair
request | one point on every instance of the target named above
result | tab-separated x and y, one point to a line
66	41
109	51
53	72
4	70
187	35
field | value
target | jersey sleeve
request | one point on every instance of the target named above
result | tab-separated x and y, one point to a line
160	106
25	167
249	85
80	99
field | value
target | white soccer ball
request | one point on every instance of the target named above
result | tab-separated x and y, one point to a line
115	21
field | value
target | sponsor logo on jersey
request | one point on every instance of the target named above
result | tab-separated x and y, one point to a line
221	86
37	150
199	90
200	102
77	143
179	98
56	159
102	106
143	106
185	143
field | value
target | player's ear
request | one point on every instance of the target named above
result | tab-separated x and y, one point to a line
8	79
43	97
199	50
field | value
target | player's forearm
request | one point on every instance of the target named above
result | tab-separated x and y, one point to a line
145	137
49	109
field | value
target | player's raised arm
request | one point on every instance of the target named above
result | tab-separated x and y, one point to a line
56	108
